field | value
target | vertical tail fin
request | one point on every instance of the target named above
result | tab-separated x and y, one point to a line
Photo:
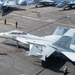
73	39
63	42
66	39
60	31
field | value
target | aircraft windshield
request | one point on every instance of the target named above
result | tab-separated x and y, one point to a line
19	33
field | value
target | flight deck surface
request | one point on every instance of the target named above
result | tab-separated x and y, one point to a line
38	21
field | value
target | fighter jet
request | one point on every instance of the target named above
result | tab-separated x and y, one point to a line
25	2
61	41
66	4
7	3
44	2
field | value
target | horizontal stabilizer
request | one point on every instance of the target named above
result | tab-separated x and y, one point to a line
70	55
73	39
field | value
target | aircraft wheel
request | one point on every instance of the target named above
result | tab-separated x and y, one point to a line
36	6
18	46
70	7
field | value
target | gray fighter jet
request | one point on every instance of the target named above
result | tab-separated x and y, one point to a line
61	41
44	2
66	4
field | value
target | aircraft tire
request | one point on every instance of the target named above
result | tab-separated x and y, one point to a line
36	6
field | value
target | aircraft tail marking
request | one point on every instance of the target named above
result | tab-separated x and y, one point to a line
60	31
65	40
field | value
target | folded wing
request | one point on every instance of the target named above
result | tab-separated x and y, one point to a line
42	52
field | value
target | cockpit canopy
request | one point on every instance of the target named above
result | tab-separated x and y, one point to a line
17	32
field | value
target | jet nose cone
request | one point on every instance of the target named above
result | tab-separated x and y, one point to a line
1	34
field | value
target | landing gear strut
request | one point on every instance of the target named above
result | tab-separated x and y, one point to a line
17	44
